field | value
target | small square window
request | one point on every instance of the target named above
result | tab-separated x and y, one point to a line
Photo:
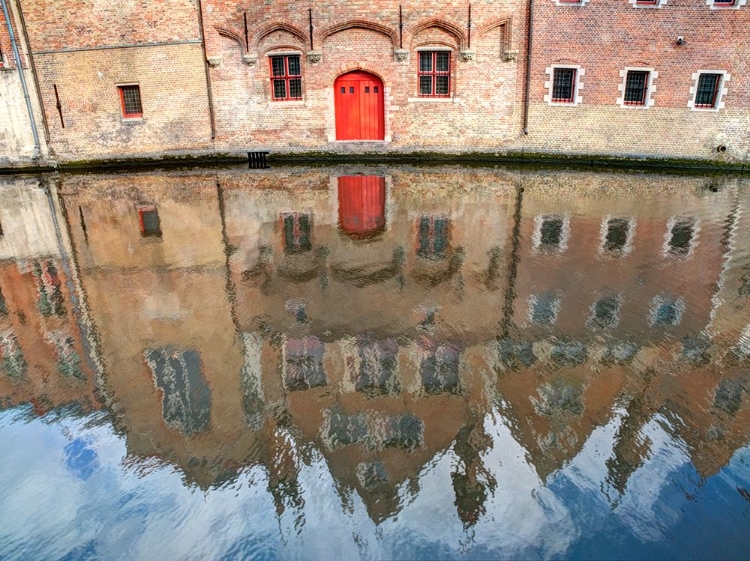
434	73
636	87
724	3
286	77
148	217
130	101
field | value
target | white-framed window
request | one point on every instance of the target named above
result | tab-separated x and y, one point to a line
616	235
647	3
637	87
570	2
666	311
708	90
544	307
551	233
725	4
564	84
605	312
681	237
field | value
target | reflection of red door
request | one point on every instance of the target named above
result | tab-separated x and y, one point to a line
359	107
362	205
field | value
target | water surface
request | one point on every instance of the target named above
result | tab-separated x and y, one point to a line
376	363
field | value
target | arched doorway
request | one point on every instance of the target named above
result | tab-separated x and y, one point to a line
359	106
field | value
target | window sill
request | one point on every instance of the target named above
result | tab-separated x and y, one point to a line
131	119
282	104
434	100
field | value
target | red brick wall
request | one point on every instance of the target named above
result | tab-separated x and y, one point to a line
604	37
481	114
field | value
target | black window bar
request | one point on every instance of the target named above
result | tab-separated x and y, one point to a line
707	92
636	85
563	85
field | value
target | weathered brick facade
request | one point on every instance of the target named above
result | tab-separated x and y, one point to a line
205	79
155	45
604	37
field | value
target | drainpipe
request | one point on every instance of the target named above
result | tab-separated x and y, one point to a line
37	148
34	73
208	72
528	67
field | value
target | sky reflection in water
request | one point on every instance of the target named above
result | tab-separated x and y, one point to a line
374	363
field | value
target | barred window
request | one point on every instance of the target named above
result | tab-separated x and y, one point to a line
130	101
286	77
707	93
434	73
563	85
636	87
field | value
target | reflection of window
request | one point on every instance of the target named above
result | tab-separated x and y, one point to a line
148	218
617	235
433	237
186	397
286	77
434	73
303	363
551	233
666	311
438	369
606	312
49	289
543	308
68	361
681	237
11	357
297	230
377	362
3	305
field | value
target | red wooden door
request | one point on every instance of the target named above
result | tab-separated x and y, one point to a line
358	100
362	205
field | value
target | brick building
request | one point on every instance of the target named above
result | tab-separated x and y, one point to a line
611	77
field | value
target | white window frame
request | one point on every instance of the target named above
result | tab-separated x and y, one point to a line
532	301
725	77
736	6
657	4
604	230
536	237
657	302
591	321
573	4
666	249
578	85
650	87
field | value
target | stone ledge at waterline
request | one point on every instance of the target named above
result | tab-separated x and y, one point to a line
198	158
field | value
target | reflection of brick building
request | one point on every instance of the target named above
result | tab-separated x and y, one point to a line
43	360
247	317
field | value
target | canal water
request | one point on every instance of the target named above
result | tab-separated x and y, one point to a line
374	363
